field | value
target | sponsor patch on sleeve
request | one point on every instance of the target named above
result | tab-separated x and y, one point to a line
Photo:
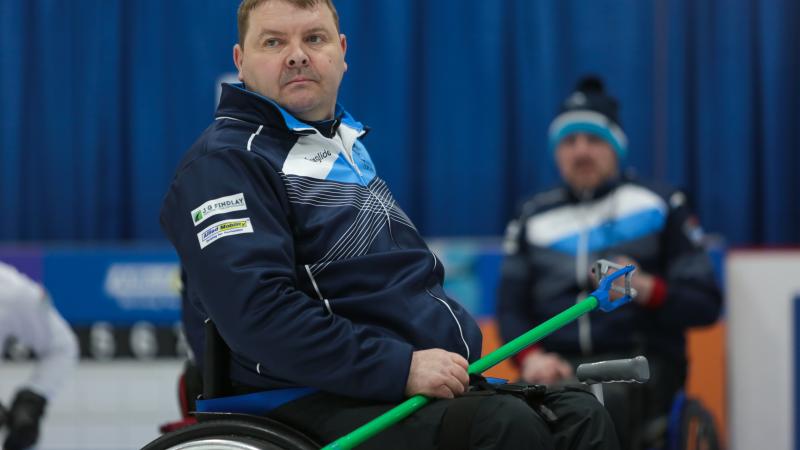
216	206
222	229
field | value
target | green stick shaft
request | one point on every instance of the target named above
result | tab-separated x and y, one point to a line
408	407
533	336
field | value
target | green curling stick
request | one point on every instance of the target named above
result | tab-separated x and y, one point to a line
600	297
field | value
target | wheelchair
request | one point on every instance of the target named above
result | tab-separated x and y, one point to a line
226	421
237	422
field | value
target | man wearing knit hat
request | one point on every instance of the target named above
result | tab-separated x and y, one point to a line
600	213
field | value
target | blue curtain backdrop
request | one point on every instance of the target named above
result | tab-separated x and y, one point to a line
99	99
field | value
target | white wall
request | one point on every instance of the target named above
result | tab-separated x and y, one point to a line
106	405
760	288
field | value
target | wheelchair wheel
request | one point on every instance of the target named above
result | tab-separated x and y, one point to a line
260	434
226	443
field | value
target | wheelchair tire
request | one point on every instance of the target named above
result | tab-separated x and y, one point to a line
263	434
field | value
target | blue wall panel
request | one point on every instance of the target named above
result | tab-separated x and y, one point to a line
99	99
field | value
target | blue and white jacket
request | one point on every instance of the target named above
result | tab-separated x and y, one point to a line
297	251
551	246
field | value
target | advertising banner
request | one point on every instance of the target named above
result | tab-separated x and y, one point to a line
114	285
122	302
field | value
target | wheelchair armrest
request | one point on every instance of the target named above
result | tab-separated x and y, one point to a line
633	370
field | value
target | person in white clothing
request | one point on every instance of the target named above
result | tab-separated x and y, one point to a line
27	314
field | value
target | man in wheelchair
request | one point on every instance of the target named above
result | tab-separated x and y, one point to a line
315	278
600	211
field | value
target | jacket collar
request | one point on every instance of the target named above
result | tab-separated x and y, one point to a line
601	191
240	103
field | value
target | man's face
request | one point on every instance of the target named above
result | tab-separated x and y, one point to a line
293	56
585	161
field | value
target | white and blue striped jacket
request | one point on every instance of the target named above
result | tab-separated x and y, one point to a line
298	252
551	246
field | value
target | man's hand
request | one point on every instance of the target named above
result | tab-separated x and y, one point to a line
437	373
544	368
642	281
23	420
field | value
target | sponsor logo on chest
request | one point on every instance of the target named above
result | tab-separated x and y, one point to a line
319	157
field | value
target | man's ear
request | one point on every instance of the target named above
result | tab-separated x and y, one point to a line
343	43
238	57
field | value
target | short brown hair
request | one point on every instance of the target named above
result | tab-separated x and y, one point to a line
247	6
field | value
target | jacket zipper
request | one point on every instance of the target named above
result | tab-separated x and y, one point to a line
353	164
581	265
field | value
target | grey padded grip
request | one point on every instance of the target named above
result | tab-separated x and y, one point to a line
633	370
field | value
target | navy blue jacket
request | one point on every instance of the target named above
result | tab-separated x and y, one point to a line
551	246
298	252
